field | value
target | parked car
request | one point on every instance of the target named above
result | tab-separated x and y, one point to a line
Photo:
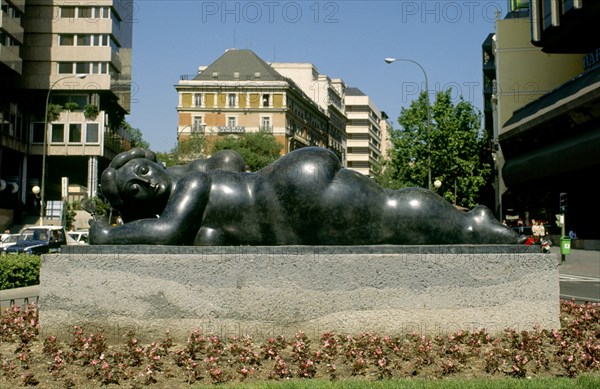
80	237
40	240
9	240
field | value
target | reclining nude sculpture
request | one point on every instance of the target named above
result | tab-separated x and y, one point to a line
304	198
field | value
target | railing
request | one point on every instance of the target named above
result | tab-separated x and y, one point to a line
231	129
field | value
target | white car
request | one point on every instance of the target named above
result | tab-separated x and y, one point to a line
9	240
80	237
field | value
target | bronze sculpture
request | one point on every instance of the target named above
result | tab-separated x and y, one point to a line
304	198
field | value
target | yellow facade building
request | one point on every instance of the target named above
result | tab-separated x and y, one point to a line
240	93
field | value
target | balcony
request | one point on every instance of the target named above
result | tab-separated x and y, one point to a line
12	26
231	129
9	56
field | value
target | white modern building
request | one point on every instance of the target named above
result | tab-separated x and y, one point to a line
72	59
366	131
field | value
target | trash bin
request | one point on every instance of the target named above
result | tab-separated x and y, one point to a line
565	245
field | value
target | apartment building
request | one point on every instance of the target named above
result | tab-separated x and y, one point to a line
328	93
366	131
72	60
239	92
544	104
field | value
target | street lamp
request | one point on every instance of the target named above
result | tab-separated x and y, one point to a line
437	184
43	189
390	60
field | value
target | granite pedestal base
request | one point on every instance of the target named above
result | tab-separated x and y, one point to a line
266	291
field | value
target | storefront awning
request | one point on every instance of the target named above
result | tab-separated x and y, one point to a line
577	92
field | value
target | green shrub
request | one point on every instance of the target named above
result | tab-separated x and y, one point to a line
18	270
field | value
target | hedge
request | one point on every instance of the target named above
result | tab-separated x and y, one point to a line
18	270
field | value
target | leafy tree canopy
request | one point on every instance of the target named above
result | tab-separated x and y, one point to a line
137	139
455	143
258	148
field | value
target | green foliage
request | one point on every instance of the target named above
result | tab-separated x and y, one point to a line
54	111
168	157
190	149
19	270
455	141
90	111
71	106
258	148
136	136
69	214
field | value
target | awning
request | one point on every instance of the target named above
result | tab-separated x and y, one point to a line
583	89
571	153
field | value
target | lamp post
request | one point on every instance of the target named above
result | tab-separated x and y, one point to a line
43	189
390	60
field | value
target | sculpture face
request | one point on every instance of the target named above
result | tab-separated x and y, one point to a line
144	185
143	180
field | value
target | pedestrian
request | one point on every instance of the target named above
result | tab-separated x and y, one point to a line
541	229
535	231
572	234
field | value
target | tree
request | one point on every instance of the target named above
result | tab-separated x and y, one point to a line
184	151
190	148
455	141
136	136
258	148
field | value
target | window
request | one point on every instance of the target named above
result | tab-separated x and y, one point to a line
74	133
198	99
66	40
231	100
58	133
67	12
65	67
265	124
84	40
91	133
82	67
198	125
85	12
38	133
231	121
98	67
102	12
265	100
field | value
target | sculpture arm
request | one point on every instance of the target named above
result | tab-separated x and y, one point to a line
176	225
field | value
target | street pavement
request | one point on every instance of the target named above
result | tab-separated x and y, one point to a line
579	275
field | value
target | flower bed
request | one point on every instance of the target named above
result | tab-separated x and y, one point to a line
86	359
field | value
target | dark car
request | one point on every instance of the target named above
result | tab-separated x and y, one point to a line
39	240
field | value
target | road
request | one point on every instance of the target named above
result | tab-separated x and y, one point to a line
579	278
579	275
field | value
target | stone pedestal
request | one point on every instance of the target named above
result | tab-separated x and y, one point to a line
267	291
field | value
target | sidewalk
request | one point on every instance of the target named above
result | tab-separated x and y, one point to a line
580	262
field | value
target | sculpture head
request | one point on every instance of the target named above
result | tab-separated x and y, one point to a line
136	184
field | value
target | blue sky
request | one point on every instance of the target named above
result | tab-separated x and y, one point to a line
343	39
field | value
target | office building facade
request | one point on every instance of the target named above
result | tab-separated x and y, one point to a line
72	60
544	104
